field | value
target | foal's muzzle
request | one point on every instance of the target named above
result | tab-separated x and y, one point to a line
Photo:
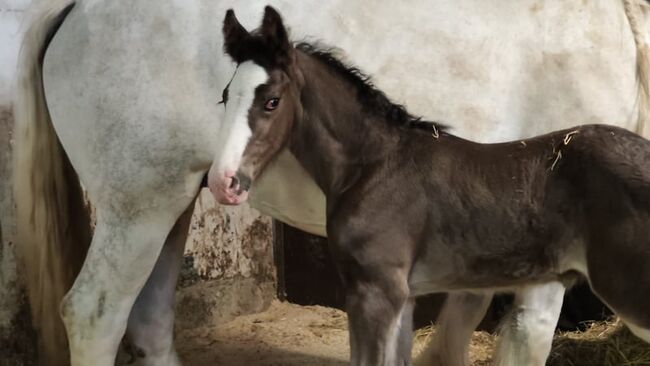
241	182
229	188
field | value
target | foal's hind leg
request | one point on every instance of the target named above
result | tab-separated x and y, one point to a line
150	331
461	314
527	333
620	276
128	239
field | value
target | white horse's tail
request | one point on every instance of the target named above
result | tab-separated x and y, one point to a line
634	13
53	229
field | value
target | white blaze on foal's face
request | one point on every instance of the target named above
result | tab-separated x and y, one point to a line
235	133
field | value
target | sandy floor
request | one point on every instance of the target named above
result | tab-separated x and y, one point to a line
287	335
283	335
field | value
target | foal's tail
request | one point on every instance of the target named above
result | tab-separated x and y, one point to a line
53	227
634	13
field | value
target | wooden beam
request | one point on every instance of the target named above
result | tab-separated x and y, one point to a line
278	259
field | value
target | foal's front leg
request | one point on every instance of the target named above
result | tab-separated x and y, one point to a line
377	304
374	258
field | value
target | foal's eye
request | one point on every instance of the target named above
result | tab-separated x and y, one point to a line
271	104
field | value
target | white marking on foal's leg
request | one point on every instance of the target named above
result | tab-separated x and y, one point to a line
527	333
390	348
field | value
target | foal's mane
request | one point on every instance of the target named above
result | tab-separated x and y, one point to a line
373	100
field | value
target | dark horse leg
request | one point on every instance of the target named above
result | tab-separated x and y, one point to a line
149	335
619	271
376	303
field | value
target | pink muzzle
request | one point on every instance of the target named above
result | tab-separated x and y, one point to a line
226	188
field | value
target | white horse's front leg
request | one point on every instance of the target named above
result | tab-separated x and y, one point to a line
460	315
527	333
127	242
150	331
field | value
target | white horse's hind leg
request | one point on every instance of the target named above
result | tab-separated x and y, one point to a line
128	240
461	314
150	330
643	333
527	333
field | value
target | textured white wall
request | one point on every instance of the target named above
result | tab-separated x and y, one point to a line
11	15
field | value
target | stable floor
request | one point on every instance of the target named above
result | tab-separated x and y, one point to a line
293	335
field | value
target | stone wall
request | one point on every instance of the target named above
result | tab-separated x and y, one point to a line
229	267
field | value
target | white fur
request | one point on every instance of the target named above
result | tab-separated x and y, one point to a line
235	131
527	333
390	348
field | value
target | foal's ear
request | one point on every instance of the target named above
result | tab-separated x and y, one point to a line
234	37
276	36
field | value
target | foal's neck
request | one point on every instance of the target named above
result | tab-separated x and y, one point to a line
337	138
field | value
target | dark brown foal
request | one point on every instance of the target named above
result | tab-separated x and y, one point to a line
412	209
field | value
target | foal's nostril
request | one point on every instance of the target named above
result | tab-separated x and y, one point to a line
244	182
234	182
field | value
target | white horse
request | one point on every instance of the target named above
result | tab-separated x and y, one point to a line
132	91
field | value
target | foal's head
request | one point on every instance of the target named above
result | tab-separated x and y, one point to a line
261	101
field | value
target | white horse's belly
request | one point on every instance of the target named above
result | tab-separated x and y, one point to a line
133	86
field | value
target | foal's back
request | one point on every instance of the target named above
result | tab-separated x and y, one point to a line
529	210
